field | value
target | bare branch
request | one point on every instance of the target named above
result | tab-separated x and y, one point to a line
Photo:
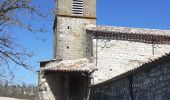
10	13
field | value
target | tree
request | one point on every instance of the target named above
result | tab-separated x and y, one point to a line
10	12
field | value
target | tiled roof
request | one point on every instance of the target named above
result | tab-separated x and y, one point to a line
80	65
66	70
116	29
131	34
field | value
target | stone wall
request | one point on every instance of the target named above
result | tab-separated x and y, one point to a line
114	57
67	86
152	84
64	7
149	83
65	80
45	92
118	90
70	41
70	28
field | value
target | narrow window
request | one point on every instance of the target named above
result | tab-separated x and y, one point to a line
77	7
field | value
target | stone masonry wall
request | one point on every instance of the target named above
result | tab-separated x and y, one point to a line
151	83
70	38
53	87
45	92
114	57
118	90
64	7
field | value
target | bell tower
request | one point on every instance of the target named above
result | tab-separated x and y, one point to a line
71	18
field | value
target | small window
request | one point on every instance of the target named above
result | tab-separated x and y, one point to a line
77	7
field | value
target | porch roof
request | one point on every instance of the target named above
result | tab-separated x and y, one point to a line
71	66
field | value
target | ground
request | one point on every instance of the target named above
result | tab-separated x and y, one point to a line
8	98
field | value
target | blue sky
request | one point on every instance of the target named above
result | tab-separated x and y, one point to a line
128	13
134	13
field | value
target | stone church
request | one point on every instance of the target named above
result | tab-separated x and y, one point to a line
94	62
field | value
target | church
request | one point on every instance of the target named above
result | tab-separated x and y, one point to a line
95	62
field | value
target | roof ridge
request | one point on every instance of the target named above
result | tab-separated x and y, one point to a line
116	29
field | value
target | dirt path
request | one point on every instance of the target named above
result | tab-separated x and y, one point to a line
7	98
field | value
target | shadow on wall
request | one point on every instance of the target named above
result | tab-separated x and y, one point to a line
68	87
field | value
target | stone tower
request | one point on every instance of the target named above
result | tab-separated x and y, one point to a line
72	16
67	80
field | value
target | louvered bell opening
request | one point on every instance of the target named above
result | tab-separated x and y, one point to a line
77	7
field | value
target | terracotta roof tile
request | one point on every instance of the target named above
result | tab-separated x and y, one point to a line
116	29
80	65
